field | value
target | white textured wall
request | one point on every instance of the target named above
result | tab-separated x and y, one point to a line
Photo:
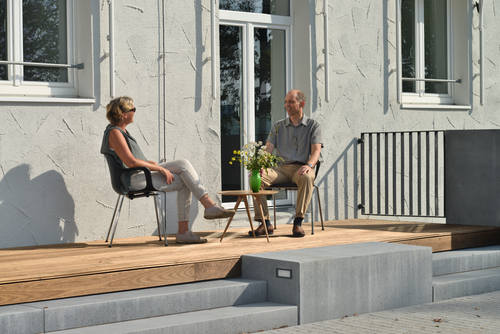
55	187
363	90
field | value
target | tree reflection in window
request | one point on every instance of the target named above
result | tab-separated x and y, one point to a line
273	7
45	39
3	38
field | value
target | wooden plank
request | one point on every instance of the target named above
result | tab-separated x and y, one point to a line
456	241
24	292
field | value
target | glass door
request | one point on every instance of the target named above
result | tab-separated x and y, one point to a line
253	83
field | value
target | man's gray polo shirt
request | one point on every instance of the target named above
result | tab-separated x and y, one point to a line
293	143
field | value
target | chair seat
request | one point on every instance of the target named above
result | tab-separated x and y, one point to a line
282	186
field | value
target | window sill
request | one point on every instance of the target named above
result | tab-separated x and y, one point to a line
435	106
76	100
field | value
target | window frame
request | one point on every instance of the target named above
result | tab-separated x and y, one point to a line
15	87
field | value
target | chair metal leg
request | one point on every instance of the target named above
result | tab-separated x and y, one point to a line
116	221
319	207
274	206
164	217
113	219
157	218
311	207
163	224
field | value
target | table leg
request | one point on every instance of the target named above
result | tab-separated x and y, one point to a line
249	215
257	199
230	219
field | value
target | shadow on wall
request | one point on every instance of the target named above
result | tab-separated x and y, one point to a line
340	184
37	211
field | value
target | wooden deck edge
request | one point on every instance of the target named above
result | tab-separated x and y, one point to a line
456	241
48	289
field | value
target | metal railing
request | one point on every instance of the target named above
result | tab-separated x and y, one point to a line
25	63
403	173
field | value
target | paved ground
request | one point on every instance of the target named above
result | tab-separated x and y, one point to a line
474	314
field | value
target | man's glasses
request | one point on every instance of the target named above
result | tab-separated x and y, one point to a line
124	110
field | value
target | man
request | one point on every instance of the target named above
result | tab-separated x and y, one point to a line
297	140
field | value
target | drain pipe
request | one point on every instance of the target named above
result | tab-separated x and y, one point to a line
481	51
399	69
111	39
213	28
325	51
164	89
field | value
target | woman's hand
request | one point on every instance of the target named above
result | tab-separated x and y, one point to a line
168	175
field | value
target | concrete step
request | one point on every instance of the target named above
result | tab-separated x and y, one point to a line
464	260
465	284
60	314
233	319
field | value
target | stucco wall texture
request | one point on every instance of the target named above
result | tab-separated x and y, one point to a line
54	183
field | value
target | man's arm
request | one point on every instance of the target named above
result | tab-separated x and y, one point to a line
269	147
313	159
315	152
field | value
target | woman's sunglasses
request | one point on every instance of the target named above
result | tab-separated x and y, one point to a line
123	109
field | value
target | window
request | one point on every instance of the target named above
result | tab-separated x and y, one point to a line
273	7
37	31
433	61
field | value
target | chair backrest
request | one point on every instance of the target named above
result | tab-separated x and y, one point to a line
316	169
115	171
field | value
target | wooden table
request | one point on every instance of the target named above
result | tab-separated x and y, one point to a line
242	195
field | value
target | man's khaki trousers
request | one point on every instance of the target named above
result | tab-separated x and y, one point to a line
287	174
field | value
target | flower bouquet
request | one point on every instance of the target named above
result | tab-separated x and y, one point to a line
255	158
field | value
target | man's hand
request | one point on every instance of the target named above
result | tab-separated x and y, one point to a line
304	170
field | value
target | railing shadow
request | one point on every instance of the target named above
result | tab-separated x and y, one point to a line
343	201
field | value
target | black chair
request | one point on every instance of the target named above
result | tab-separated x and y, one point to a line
293	186
116	171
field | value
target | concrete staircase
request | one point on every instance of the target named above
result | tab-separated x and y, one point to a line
221	306
277	289
465	272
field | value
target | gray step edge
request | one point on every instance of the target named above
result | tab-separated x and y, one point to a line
233	319
93	310
465	284
462	260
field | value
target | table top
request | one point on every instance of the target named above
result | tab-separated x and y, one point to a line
246	192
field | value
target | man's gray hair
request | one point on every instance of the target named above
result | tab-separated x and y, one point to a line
301	96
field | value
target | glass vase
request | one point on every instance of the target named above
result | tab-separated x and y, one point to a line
255	181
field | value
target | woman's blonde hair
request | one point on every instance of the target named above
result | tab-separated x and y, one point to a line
116	107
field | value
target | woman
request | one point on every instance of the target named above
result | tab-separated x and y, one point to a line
176	175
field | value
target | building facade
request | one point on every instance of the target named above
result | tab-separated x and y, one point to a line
208	75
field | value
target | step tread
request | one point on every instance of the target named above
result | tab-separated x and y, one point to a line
463	260
468	275
465	284
231	319
145	303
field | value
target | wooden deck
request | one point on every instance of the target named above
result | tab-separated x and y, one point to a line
59	271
